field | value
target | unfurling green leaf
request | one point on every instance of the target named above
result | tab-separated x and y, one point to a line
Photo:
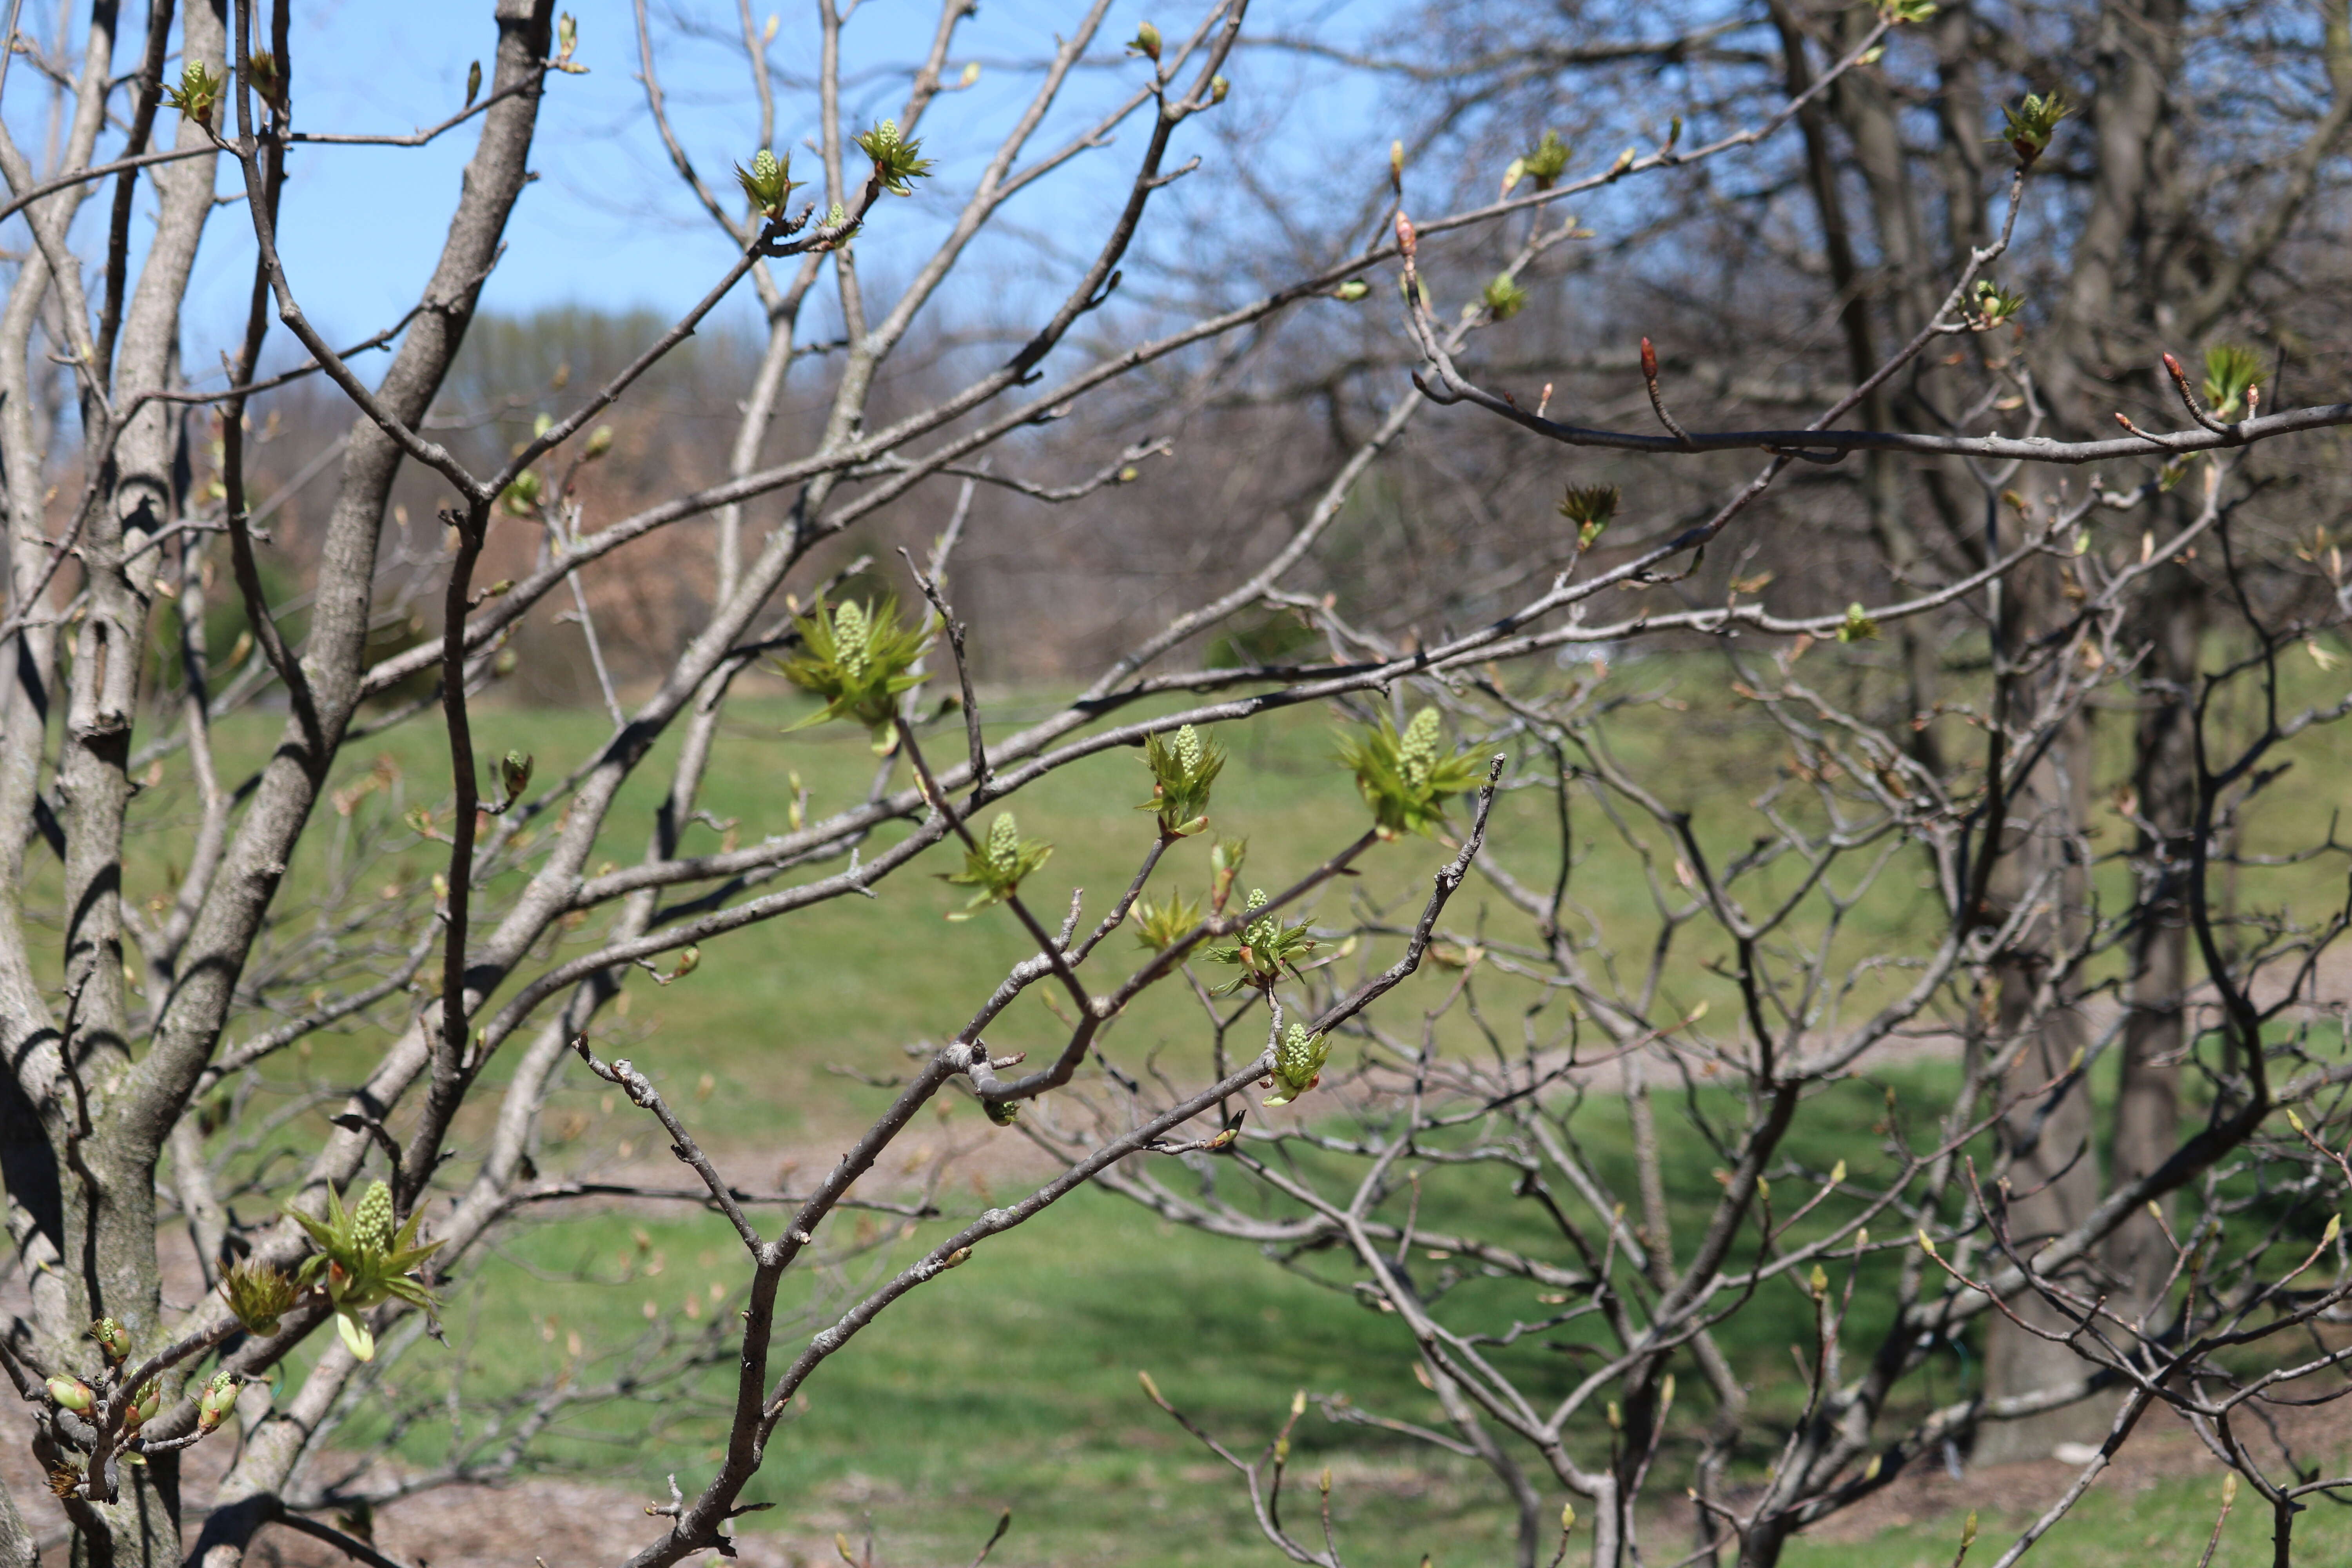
1504	298
1298	1064
1993	304
1857	626
473	83
997	865
1406	775
1545	162
2232	370
567	42
1225	857
1589	507
258	1295
2029	127
897	164
266	78
1267	948
363	1262
1146	43
858	657
1898	12
1184	766
199	94
1353	290
1160	926
521	497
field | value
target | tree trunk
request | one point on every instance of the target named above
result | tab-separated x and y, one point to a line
2147	1095
2053	1171
2055	1177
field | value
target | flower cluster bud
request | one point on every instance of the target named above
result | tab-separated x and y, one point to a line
373	1223
1298	1064
1417	750
217	1401
142	1406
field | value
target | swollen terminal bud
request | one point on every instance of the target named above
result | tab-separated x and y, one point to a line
142	1406
514	773
1147	43
72	1394
114	1340
216	1401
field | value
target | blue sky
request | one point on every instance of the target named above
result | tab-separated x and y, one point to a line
607	223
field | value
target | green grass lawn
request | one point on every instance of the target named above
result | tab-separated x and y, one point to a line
1012	1381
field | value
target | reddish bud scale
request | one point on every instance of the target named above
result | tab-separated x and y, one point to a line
1406	240
1649	360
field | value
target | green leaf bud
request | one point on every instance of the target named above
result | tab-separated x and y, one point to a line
259	1296
859	658
1298	1064
2029	127
521	497
1857	626
897	164
1407	776
199	94
2232	371
1183	768
997	865
1159	926
768	184
1504	298
143	1406
216	1400
1546	161
514	774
